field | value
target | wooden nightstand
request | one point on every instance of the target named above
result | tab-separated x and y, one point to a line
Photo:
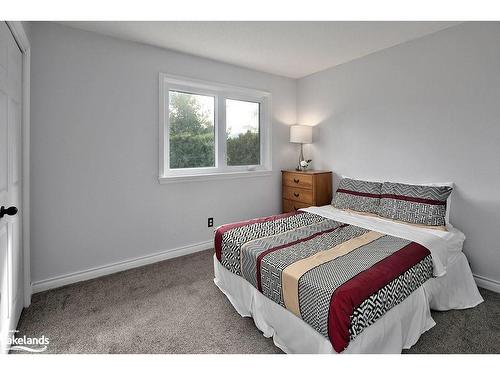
304	189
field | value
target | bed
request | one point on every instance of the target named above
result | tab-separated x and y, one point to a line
329	280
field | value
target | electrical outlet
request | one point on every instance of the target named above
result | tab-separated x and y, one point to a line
210	222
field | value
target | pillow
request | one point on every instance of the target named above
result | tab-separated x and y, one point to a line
416	204
448	201
358	195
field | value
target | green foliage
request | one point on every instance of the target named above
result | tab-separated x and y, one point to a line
192	151
192	137
244	150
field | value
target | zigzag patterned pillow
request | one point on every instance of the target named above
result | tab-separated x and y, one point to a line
357	195
414	204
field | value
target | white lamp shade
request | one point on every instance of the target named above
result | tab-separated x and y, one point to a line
300	134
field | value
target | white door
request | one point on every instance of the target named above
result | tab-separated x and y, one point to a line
11	260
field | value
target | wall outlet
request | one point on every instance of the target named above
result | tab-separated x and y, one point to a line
210	222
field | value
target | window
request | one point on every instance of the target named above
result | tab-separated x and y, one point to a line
212	131
242	132
192	131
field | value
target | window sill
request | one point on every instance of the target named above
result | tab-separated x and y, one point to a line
213	176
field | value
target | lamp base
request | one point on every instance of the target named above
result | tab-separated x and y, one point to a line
301	159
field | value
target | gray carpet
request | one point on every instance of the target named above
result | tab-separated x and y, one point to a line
174	307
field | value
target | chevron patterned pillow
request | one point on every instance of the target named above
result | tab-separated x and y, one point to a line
414	204
357	195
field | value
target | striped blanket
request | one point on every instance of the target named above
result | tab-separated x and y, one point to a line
337	277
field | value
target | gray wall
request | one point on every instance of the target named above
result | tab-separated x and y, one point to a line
427	110
96	198
423	111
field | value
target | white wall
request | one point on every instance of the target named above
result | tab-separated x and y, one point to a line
427	110
96	198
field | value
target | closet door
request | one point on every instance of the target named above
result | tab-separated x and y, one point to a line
11	261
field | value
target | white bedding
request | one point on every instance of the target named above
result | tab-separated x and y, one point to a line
400	327
441	244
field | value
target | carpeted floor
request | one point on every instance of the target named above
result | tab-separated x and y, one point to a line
174	307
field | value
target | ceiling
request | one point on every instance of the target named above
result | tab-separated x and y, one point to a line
291	49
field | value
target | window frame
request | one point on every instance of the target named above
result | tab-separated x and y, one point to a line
220	92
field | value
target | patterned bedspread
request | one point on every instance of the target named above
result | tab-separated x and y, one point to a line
337	277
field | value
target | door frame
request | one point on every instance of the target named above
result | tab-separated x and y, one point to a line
21	38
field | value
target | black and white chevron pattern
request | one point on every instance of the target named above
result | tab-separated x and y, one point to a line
389	296
317	286
234	239
346	201
274	263
437	193
414	212
252	249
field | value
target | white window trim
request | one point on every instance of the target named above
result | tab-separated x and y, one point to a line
219	91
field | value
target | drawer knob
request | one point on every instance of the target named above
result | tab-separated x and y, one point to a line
295	208
296	180
296	194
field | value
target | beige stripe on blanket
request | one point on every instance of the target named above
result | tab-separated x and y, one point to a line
292	273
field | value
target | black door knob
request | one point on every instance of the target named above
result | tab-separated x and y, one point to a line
11	211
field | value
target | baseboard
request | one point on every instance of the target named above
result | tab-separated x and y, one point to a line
56	282
486	283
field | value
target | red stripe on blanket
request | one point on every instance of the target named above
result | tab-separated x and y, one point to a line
352	293
224	228
413	199
264	253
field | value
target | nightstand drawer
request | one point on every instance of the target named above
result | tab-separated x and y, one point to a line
289	205
298	180
297	194
302	189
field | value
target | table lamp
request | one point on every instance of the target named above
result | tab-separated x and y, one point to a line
303	135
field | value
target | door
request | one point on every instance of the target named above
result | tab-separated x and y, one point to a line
11	261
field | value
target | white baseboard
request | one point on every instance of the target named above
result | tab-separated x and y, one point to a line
58	281
486	283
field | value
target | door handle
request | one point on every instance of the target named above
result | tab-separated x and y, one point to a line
11	211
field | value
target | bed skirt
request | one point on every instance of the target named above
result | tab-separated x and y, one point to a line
398	329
